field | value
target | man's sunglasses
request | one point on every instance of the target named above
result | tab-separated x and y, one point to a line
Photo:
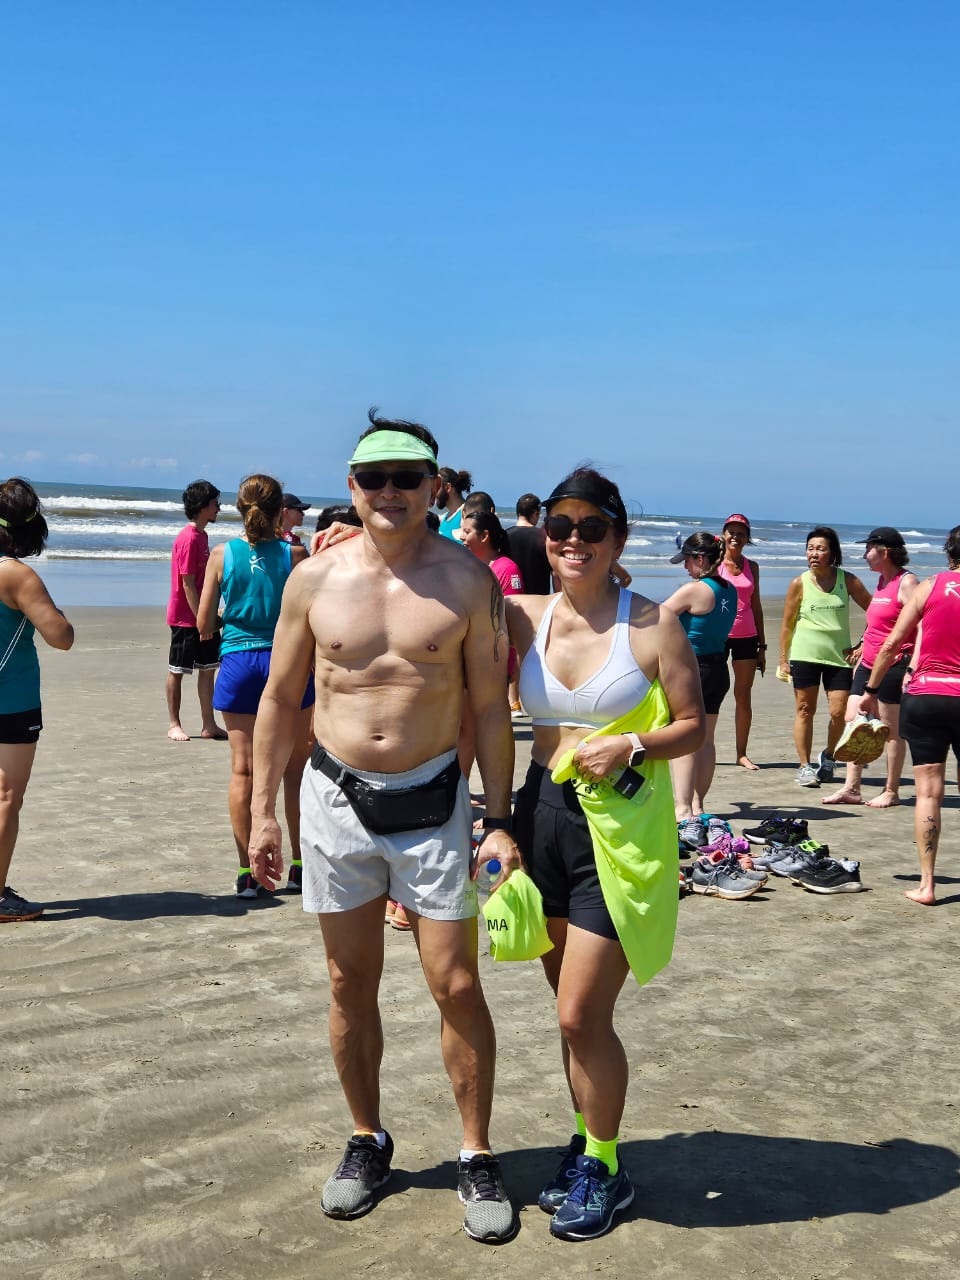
371	480
593	529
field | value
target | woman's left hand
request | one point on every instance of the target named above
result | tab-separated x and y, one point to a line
599	757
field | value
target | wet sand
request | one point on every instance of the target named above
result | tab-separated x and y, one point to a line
171	1109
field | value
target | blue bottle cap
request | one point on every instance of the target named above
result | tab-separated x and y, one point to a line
493	867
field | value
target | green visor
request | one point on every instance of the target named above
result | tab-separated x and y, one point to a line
515	920
392	446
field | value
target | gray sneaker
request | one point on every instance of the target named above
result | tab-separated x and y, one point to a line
365	1167
14	907
797	860
692	832
721	882
489	1216
807	776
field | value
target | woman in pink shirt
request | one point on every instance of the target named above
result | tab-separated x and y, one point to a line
746	643
886	555
930	717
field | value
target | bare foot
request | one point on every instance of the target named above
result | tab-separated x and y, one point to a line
176	734
924	896
843	796
746	763
216	733
885	800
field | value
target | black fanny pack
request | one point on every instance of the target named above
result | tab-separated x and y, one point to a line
384	812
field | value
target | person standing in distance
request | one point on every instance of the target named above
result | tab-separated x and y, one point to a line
454	486
402	627
188	564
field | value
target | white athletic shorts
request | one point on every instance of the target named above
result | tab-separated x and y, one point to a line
345	865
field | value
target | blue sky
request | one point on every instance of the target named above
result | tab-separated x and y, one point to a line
711	247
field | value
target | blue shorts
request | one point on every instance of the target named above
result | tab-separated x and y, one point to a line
242	679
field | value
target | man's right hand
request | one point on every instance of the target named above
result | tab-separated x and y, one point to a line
264	852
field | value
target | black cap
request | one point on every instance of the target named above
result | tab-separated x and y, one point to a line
885	536
293	503
689	548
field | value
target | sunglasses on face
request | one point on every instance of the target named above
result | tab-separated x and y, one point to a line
593	529
372	480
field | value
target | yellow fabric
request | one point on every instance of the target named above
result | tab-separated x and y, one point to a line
515	921
635	844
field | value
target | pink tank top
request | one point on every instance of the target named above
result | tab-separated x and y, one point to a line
745	624
882	613
938	664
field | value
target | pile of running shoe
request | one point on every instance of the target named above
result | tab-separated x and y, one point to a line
789	852
723	867
727	866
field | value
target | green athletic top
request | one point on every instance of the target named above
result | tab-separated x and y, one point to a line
823	627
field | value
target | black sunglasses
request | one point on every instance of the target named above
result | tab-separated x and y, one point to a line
593	529
399	479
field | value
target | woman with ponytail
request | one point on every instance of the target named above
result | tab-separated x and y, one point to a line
248	575
706	607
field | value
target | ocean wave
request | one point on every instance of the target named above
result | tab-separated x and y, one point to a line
114	553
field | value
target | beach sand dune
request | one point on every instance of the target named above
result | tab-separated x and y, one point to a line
170	1109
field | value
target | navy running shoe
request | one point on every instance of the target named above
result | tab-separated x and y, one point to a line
558	1188
595	1198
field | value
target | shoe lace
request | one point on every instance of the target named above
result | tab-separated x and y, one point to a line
10	892
482	1174
356	1158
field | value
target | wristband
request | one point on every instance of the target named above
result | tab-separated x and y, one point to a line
761	646
873	692
498	824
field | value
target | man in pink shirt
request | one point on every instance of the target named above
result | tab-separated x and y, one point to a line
191	550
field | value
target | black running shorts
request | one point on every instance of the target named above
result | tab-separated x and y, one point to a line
553	836
890	686
808	675
714	680
17	727
930	724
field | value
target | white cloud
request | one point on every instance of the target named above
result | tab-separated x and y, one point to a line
31	455
84	459
153	464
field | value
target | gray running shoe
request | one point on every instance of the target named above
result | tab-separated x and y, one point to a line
799	860
558	1188
692	832
489	1216
14	907
365	1167
807	776
771	854
825	766
721	882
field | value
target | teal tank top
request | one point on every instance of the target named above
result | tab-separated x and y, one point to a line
253	578
707	632
19	664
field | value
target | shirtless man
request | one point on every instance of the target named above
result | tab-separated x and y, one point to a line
397	622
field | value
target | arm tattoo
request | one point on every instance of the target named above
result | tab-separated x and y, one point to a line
497	618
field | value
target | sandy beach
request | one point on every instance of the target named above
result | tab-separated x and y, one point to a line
171	1109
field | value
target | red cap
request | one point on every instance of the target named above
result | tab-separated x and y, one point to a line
736	518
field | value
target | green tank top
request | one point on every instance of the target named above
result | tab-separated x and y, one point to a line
823	627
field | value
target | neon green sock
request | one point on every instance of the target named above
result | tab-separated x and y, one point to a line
581	1127
295	862
605	1151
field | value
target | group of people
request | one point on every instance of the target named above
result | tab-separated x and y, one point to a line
347	677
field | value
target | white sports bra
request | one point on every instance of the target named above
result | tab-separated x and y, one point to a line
615	689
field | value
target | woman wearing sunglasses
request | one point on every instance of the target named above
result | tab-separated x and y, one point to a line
596	658
706	608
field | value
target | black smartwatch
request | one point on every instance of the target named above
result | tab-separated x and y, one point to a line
873	692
